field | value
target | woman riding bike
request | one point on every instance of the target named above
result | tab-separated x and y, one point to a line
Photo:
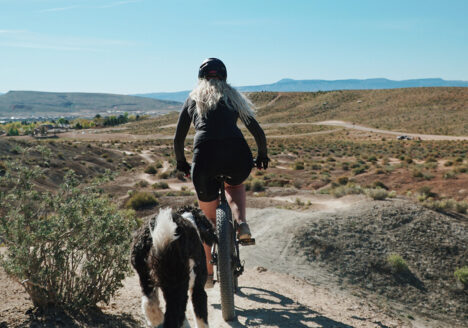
219	148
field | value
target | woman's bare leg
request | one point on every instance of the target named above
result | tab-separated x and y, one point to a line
209	209
237	201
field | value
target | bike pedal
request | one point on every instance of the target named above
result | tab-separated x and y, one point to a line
247	242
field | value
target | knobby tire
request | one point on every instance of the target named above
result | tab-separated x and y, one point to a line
225	266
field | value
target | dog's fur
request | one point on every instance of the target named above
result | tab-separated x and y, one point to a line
168	253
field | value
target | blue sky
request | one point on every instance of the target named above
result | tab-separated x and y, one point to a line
136	46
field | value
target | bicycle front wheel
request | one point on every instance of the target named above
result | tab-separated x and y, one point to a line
225	266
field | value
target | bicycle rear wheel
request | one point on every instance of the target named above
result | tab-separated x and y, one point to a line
225	266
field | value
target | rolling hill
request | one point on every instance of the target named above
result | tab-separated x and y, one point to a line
33	103
290	85
419	110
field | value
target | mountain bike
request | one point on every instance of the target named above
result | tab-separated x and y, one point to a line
225	254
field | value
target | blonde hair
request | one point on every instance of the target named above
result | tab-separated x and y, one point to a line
208	93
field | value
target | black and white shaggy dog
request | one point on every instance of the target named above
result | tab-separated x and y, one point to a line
168	253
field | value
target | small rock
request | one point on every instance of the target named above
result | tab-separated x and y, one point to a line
261	269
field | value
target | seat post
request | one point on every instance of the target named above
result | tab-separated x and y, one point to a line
222	190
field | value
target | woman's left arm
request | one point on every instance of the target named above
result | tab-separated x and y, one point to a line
183	126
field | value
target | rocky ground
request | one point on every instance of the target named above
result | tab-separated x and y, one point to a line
356	247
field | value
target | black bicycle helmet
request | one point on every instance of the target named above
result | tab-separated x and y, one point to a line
212	68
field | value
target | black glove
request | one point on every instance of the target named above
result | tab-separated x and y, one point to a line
261	162
183	166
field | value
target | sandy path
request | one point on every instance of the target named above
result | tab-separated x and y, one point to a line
146	155
269	299
86	136
278	290
413	135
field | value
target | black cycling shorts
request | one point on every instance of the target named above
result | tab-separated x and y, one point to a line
230	157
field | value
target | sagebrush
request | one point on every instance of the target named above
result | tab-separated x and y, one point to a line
68	248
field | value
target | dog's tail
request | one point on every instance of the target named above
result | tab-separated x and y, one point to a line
164	231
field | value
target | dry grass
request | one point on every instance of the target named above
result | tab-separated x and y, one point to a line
418	110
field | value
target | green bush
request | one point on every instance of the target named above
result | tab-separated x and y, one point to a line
462	275
343	180
142	184
349	189
3	168
164	175
298	165
151	170
418	174
359	170
257	185
450	175
141	200
379	184
377	193
161	185
426	191
461	207
397	263
70	248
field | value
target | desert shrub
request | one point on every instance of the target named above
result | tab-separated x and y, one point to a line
450	175
316	167
277	182
397	263
257	185
377	193
164	175
417	174
297	184
379	184
448	163
159	165
349	189
161	185
461	275
180	176
298	165
142	184
461	207
150	169
343	180
70	248
359	170
446	205
3	168
426	191
141	200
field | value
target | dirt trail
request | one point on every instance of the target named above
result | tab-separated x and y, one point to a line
279	290
86	136
270	299
413	135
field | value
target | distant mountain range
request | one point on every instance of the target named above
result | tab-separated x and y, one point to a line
290	85
24	104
